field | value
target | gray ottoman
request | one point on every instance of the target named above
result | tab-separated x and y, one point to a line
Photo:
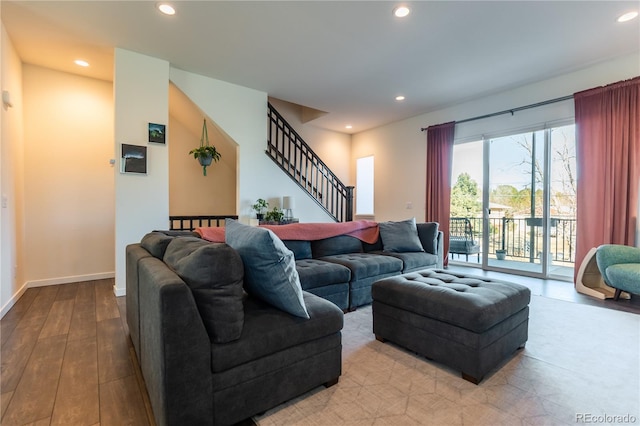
466	322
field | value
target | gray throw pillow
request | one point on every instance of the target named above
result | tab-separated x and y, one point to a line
400	237
156	243
214	274
269	267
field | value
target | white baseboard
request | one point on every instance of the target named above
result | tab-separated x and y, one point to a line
12	301
56	281
72	279
119	291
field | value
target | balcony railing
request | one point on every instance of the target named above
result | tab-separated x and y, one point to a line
523	238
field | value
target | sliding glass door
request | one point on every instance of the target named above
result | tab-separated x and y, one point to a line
518	204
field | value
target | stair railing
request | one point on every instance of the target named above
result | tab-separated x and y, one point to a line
289	151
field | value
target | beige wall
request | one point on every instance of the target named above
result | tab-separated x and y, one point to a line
190	192
68	181
399	170
11	178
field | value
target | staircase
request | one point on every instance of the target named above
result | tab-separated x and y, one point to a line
292	154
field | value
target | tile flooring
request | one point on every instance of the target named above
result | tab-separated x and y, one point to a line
580	363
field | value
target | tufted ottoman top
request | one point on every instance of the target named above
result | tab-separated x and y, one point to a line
471	302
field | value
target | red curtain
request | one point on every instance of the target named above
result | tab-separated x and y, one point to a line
439	157
608	159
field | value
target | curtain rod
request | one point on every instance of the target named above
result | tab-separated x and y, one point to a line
511	111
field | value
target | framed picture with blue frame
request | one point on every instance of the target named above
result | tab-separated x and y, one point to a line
157	133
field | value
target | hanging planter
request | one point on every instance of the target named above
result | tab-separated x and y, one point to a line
205	153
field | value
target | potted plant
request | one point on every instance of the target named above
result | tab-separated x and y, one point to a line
260	206
276	215
205	153
501	254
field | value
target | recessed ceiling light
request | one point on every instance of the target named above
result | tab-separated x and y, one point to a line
401	11
167	9
400	98
348	126
81	63
628	16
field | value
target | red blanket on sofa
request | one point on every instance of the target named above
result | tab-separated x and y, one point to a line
364	230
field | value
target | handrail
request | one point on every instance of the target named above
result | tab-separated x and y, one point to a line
189	223
296	158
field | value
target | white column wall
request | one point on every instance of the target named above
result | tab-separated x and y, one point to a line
141	96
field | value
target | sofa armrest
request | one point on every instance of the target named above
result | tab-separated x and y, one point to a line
134	253
432	240
175	348
440	252
614	254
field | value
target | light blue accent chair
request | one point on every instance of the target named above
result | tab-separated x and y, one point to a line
620	267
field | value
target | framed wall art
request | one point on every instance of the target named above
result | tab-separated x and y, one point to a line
157	133
134	159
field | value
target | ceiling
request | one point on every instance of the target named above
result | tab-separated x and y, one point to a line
347	58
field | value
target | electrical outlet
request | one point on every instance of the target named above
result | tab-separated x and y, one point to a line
5	201
409	205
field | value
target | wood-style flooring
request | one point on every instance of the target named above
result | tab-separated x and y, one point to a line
67	359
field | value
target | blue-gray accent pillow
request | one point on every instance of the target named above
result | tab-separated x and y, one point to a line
400	237
269	267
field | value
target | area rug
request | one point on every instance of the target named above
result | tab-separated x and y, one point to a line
580	365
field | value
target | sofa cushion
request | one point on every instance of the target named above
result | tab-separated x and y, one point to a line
400	237
268	330
415	261
428	234
301	249
156	243
366	265
269	267
336	245
317	273
214	274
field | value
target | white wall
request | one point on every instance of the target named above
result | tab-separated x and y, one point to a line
242	114
400	148
68	181
141	96
11	171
